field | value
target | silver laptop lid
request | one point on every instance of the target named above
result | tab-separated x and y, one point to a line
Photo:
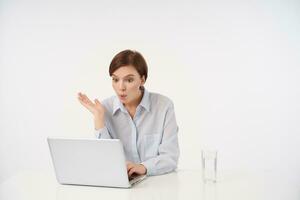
97	162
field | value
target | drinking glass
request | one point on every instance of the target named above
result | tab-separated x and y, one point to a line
209	165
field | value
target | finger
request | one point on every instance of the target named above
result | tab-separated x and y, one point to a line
128	163
129	167
86	102
131	171
86	99
81	97
97	102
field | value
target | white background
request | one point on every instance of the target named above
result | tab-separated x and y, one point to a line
232	69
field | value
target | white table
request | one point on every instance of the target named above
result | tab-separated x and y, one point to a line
183	184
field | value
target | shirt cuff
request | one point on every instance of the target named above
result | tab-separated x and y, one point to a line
150	166
101	133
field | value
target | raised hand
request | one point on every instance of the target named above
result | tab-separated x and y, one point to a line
96	108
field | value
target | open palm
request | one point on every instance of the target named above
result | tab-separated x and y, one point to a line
96	108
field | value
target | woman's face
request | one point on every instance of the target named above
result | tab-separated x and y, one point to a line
126	82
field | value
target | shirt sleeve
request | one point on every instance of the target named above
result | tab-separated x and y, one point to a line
102	133
168	152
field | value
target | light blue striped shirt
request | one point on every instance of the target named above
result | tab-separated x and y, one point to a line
150	137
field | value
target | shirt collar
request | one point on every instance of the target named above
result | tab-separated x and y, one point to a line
145	103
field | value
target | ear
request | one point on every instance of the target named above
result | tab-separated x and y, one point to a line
143	80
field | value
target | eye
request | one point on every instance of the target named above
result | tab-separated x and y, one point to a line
130	80
115	80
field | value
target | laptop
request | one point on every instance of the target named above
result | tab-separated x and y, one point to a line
92	162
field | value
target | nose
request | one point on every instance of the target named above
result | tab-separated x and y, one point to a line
121	85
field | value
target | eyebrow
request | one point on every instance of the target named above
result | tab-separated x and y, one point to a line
124	76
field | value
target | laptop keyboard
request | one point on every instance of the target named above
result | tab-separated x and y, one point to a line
136	179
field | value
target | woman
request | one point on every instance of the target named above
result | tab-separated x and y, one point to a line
144	122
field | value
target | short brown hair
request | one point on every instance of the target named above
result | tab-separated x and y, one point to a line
132	58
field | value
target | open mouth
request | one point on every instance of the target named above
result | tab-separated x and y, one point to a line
123	96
